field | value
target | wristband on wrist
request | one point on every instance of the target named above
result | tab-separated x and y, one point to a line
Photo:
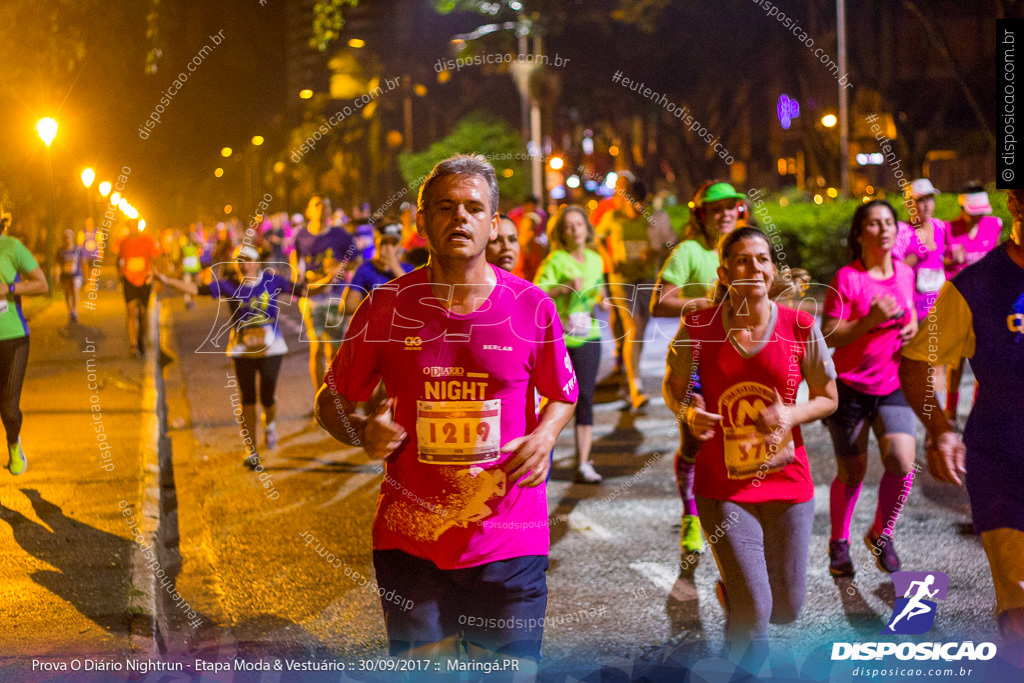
10	289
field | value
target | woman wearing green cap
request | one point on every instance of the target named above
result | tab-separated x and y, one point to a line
683	284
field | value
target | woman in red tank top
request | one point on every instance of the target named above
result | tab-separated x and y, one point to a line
752	480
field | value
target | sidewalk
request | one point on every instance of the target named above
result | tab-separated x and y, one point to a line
66	583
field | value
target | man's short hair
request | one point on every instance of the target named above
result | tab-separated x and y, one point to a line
461	164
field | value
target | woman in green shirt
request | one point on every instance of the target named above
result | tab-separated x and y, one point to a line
573	275
19	275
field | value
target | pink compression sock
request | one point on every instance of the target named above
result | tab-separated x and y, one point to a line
684	482
890	489
842	500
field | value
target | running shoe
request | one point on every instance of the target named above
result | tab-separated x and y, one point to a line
18	462
270	435
884	552
252	460
586	474
839	563
690	538
639	402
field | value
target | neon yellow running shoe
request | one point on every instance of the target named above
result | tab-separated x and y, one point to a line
18	461
690	538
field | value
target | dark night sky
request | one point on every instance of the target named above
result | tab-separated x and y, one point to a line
239	90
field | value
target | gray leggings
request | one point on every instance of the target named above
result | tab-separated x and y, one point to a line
761	551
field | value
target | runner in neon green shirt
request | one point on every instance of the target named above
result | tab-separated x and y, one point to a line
573	275
19	275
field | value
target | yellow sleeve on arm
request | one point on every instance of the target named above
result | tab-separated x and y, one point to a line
947	334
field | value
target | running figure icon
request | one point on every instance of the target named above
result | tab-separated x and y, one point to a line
915	606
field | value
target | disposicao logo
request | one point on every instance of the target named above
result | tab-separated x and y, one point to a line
914	613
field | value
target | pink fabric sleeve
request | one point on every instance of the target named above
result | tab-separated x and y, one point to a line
837	299
553	373
353	372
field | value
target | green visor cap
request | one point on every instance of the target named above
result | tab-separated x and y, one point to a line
720	191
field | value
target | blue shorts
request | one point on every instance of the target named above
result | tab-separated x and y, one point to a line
857	411
498	606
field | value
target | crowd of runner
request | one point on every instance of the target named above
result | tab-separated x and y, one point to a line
471	424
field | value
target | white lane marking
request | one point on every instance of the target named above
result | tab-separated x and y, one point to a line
355	482
822	497
660	575
578	521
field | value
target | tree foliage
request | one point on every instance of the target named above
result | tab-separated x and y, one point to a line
328	21
474	134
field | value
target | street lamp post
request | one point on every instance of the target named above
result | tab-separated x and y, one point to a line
844	111
47	129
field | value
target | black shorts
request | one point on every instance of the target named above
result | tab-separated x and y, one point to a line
132	292
498	606
889	414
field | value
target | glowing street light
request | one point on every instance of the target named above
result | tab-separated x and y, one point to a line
218	172
556	163
88	177
305	94
829	120
356	43
142	224
257	140
47	129
225	152
115	199
104	188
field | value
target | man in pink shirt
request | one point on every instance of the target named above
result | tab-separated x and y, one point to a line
460	537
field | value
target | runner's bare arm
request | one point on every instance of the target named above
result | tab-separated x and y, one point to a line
821	402
34	283
529	466
839	332
676	391
946	454
667	301
180	285
377	433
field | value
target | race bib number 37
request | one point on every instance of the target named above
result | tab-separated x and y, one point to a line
747	454
458	432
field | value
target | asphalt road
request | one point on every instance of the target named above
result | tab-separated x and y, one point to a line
620	607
